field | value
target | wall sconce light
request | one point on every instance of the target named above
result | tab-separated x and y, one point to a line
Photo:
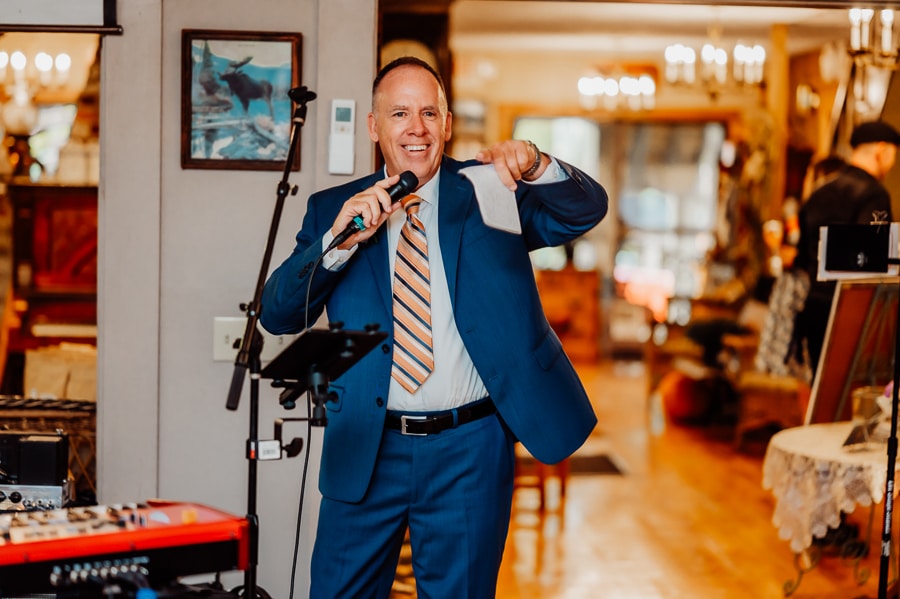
806	100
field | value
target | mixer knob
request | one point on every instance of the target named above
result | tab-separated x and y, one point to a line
15	497
2	496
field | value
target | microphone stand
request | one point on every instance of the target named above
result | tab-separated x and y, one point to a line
884	565
248	356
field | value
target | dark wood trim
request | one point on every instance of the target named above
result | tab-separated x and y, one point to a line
99	29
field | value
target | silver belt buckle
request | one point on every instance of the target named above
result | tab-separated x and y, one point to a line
404	422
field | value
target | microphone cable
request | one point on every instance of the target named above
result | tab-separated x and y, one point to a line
304	472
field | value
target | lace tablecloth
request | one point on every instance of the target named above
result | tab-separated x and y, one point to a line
814	479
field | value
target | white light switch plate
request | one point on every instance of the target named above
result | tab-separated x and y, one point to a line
228	329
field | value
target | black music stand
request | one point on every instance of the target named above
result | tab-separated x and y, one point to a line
314	358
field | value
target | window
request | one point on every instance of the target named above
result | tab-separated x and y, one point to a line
663	183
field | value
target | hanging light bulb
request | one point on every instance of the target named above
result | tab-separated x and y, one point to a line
63	64
43	62
887	31
866	15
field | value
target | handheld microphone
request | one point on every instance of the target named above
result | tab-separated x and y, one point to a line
397	191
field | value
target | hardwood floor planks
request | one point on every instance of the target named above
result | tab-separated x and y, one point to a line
688	519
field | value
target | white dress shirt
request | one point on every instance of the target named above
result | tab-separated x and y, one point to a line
454	381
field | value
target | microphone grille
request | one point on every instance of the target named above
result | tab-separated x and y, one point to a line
409	180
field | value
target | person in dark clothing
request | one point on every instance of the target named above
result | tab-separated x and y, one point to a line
855	195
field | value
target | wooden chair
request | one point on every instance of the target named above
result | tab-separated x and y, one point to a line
530	473
768	399
764	398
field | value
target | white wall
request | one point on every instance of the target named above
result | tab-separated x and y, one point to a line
179	247
53	12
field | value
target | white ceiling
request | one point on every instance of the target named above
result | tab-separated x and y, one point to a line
626	28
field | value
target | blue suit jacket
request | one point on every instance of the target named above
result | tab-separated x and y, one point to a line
496	307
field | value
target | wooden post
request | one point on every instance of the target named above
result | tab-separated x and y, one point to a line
777	98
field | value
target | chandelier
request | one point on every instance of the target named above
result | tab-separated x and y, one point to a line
42	78
873	55
713	72
872	40
613	92
21	79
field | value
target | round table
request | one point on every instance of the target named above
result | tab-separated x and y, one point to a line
814	478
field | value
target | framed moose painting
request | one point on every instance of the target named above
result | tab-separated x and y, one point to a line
235	108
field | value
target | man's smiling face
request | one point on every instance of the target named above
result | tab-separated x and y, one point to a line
410	121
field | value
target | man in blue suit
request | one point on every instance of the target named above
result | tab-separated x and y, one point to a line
428	443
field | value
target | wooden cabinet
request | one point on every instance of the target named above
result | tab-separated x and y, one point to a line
571	300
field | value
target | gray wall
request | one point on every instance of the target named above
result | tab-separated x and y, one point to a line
179	247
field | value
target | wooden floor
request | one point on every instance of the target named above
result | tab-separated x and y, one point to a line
687	519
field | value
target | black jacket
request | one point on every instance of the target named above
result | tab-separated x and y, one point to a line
853	196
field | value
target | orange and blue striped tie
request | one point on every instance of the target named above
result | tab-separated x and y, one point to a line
413	353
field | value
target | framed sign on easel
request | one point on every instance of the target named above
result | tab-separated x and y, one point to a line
858	348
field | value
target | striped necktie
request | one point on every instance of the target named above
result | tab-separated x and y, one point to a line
413	354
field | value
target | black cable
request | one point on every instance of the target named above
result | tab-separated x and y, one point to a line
312	269
305	471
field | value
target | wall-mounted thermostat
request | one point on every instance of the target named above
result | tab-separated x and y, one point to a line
341	140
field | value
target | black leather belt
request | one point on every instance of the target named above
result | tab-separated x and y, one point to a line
433	423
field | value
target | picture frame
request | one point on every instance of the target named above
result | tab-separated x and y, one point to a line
235	109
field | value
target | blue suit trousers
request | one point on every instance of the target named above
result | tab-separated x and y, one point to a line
453	490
